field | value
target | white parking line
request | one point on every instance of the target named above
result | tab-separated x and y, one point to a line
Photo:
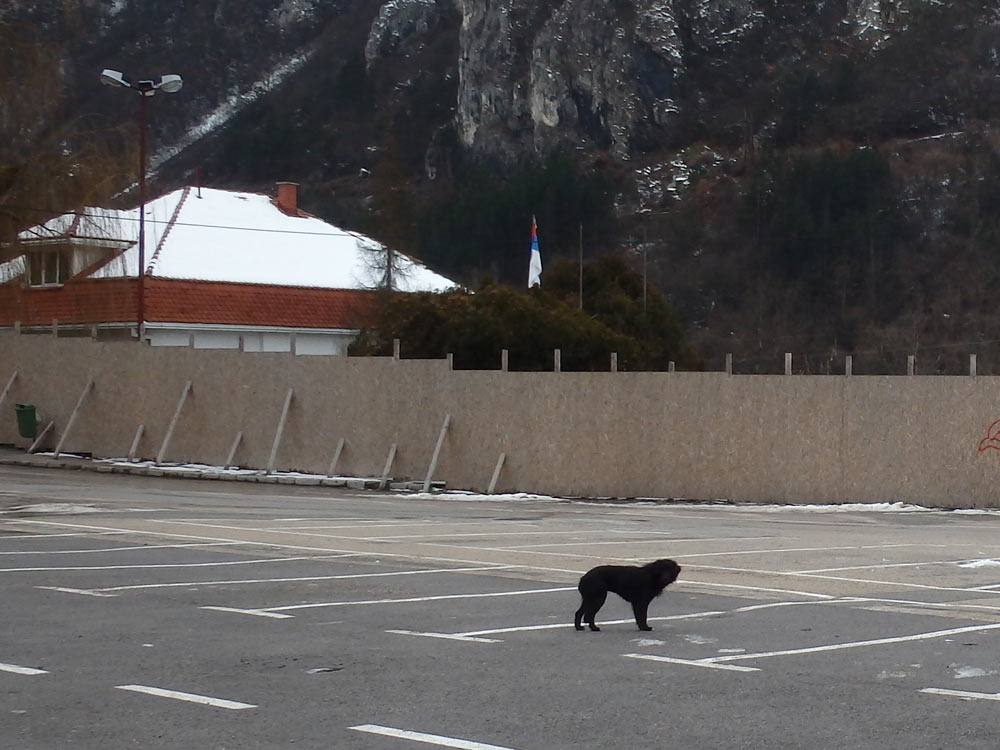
445	636
692	663
476	635
963	694
428	739
715	661
216	564
285	545
263	611
21	670
134	548
249	581
188	697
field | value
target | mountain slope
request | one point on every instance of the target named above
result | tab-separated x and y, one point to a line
821	178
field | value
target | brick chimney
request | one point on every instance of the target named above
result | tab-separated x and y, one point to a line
288	198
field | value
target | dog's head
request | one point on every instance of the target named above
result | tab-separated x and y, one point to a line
665	571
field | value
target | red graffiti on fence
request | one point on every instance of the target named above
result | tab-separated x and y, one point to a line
992	439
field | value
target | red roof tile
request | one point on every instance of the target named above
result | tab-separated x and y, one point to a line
176	301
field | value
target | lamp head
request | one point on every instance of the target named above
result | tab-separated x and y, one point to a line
114	78
170	83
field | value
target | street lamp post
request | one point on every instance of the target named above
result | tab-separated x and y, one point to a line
145	88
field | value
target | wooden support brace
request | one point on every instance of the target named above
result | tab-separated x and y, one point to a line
388	468
173	423
496	474
437	452
135	442
73	416
6	390
336	457
232	450
41	437
281	429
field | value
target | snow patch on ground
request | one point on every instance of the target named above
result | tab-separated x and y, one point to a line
699	640
962	673
648	642
980	564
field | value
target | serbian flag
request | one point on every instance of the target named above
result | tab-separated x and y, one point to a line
535	264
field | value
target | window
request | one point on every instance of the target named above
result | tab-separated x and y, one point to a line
48	267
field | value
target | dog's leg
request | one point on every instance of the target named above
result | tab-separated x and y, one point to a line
578	616
639	609
593	606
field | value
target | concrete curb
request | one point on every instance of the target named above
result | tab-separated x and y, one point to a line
82	464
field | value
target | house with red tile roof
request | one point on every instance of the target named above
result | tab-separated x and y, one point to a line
222	269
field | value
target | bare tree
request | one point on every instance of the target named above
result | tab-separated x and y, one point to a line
50	163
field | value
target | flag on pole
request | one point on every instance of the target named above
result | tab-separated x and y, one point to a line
535	264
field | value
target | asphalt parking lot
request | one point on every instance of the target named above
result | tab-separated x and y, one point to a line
165	613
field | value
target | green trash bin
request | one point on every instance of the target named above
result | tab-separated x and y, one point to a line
27	420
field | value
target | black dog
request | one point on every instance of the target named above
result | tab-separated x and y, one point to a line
636	585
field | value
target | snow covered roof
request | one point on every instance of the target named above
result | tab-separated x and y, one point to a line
220	235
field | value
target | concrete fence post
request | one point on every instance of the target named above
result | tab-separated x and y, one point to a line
848	365
437	452
72	419
281	428
173	423
788	363
504	360
557	360
972	365
135	443
395	349
729	364
496	474
911	364
614	361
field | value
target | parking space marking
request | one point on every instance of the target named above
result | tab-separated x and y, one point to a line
444	636
216	564
68	590
265	611
963	694
21	670
188	697
667	537
841	579
880	566
248	581
117	549
692	662
476	635
285	545
30	536
716	660
427	739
